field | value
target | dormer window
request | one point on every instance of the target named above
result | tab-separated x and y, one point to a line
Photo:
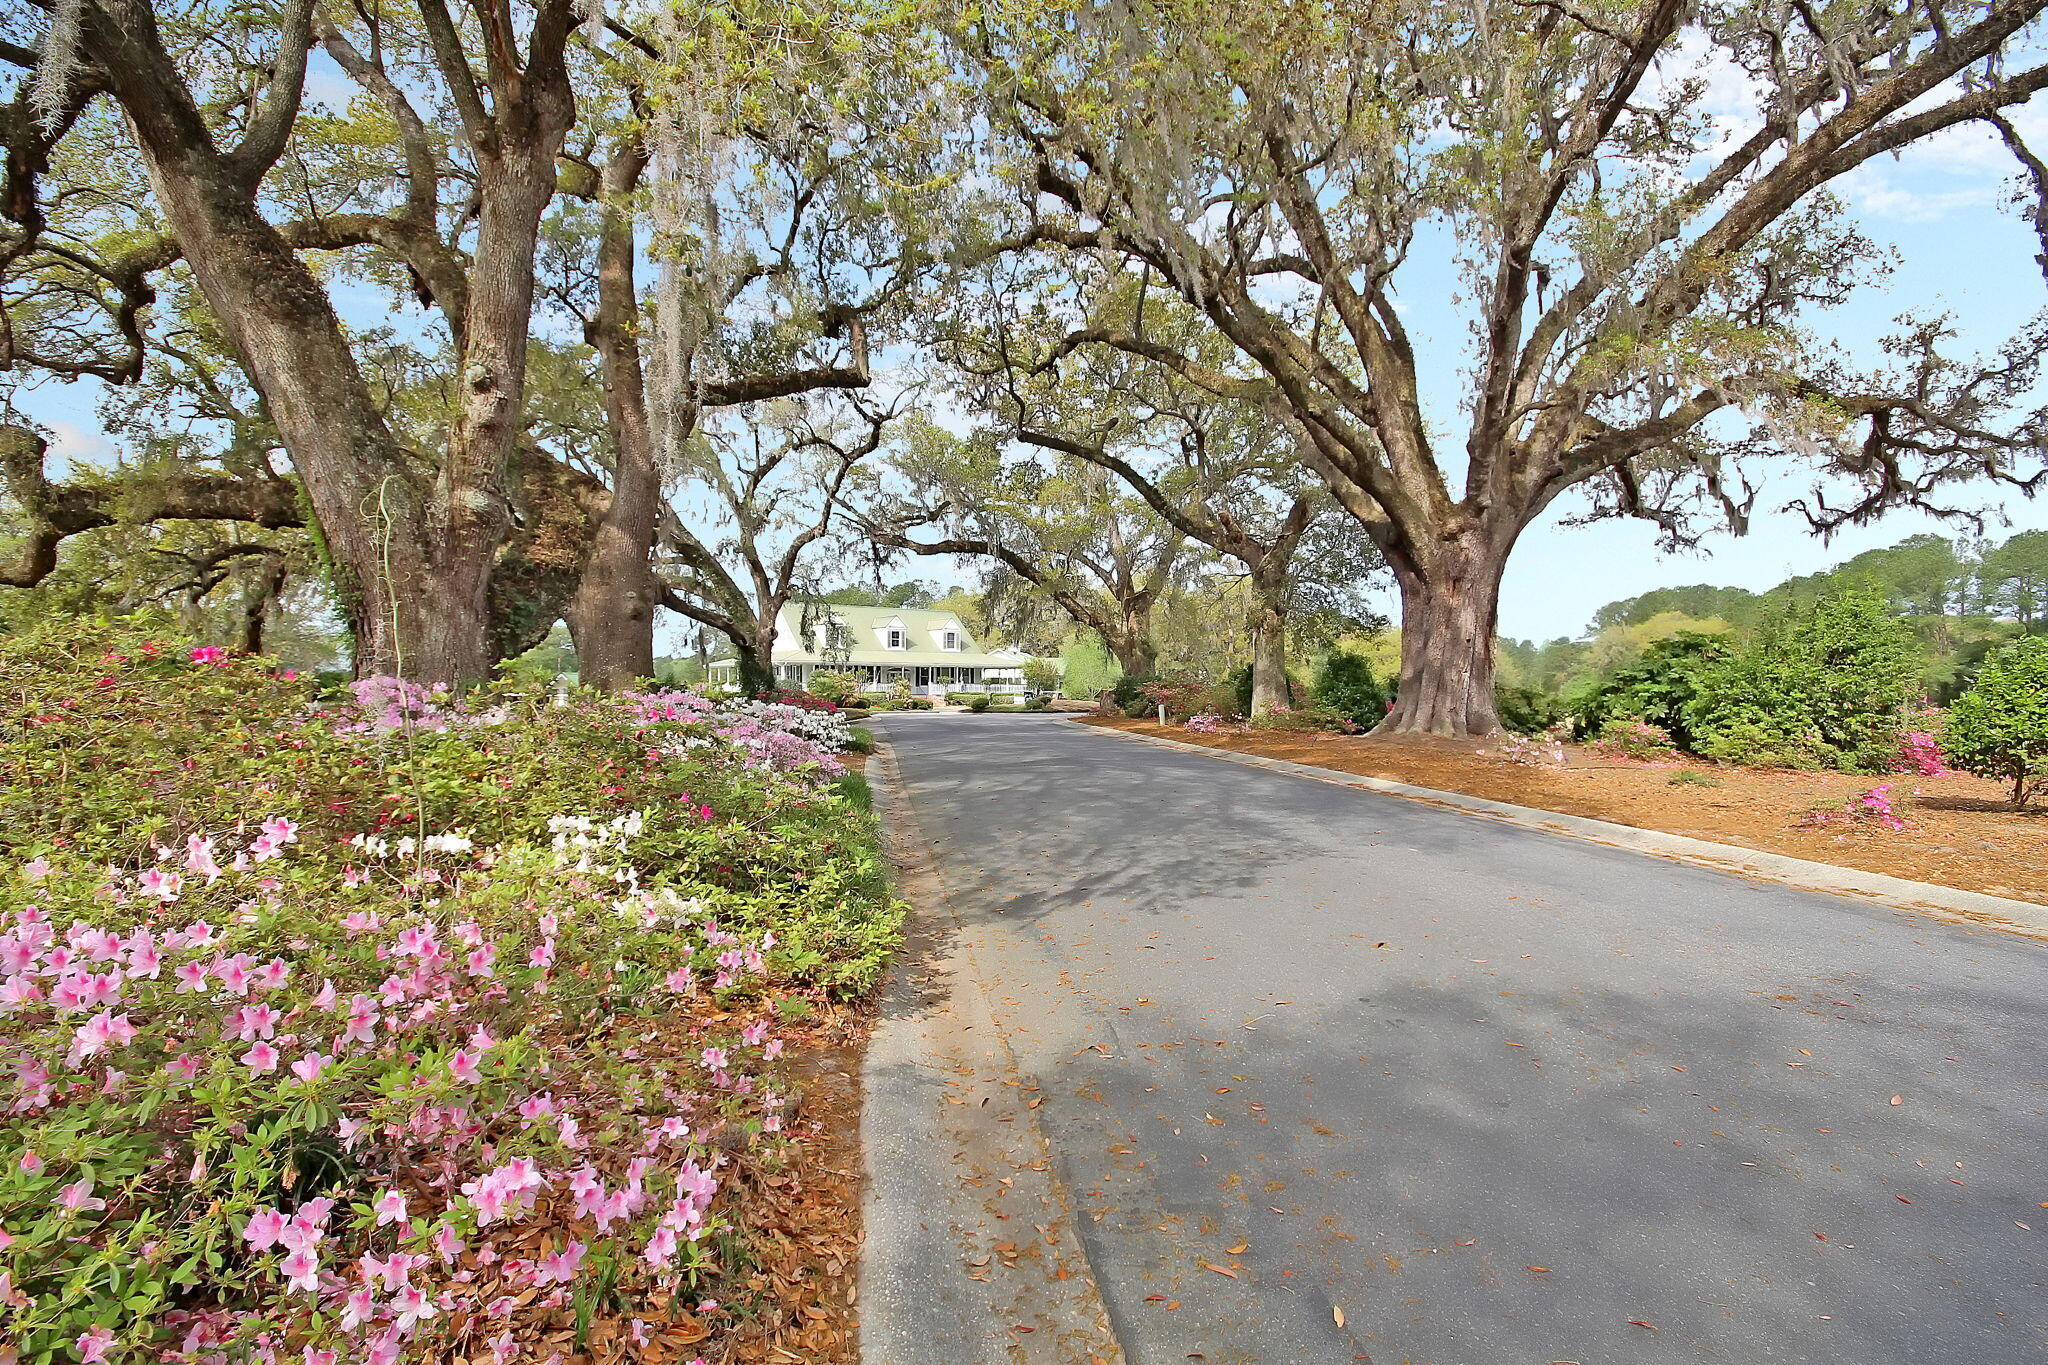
949	640
895	638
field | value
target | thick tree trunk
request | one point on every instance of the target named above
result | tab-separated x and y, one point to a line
1449	616
1269	659
1136	657
757	663
613	613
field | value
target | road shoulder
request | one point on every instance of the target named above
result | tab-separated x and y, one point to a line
1942	902
971	1253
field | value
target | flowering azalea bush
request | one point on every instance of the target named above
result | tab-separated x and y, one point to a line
1632	737
400	1027
1210	723
1873	807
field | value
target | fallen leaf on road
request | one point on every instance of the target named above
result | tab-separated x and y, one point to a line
1898	1099
1540	1269
1239	1249
1465	1244
1338	1314
1902	1199
1638	1322
1219	1269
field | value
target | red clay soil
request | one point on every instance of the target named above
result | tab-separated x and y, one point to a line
1959	831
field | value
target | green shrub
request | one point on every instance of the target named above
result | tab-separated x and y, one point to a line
1041	675
1345	684
979	703
1127	694
1628	737
1822	687
1037	703
1658	685
1525	710
841	689
860	739
1999	727
1304	720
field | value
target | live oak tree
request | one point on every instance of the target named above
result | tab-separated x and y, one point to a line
1070	530
1215	470
746	240
1640	273
778	487
476	103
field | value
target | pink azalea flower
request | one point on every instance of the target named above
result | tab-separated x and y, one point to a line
209	654
281	830
560	1268
309	1067
773	1050
390	1208
447	1245
273	974
463	1066
261	1058
35	869
302	1268
661	1247
264	1228
715	1058
199	860
94	1345
183	1067
31	1163
191	976
414	1307
358	1308
77	1198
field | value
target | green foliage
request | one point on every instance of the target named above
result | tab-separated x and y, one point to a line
1304	720
1345	684
979	702
841	689
1526	711
1819	687
1041	675
860	739
1692	777
1660	686
1041	702
1999	728
1632	737
1127	694
1086	668
1739	606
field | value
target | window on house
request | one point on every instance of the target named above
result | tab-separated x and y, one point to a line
895	639
950	640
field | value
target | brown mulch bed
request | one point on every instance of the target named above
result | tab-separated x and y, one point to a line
1959	831
807	1212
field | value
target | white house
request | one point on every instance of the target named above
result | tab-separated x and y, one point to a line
932	651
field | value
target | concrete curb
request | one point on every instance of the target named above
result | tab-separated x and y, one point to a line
1975	907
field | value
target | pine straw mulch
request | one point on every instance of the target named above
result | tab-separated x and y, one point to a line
1959	831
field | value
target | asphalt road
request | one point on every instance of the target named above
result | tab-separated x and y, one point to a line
1488	1094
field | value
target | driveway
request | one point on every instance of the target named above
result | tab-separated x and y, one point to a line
1206	1062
